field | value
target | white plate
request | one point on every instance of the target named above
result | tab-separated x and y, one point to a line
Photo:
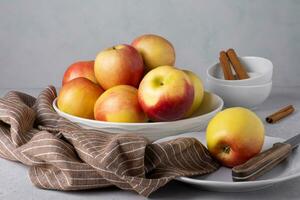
211	105
221	179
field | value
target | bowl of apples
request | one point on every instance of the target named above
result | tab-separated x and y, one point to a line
136	89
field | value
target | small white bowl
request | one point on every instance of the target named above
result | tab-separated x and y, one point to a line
244	96
211	105
259	69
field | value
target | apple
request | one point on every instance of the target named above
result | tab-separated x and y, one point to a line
166	93
234	135
80	69
119	65
119	104
78	96
198	92
155	50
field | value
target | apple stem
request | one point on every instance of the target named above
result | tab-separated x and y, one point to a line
226	149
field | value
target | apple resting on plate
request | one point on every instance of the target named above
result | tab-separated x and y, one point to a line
234	136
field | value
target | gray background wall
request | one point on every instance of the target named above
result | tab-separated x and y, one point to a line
39	39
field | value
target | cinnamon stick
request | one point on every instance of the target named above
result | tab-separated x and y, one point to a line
236	64
224	62
282	113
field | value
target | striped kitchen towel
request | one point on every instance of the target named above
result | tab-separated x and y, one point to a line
64	156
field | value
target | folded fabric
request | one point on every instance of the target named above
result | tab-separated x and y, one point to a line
64	156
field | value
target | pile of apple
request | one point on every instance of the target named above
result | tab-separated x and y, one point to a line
131	83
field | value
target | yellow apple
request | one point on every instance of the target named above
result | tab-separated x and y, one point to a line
78	96
155	50
119	104
166	93
234	135
198	93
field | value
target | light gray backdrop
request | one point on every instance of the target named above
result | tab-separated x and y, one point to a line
39	39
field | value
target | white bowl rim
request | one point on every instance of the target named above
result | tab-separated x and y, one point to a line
238	81
139	124
242	86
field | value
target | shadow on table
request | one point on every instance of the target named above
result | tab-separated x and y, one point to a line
176	190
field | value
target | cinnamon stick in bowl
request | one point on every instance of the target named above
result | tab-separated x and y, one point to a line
282	113
236	64
225	64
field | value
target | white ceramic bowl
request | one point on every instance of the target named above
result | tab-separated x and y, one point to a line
259	69
244	96
211	105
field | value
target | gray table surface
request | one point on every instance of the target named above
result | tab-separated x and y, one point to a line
15	183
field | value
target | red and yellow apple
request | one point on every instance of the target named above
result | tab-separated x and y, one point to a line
198	92
234	135
78	96
80	69
155	50
119	65
119	104
166	93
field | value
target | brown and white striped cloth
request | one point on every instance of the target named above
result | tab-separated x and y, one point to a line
64	156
